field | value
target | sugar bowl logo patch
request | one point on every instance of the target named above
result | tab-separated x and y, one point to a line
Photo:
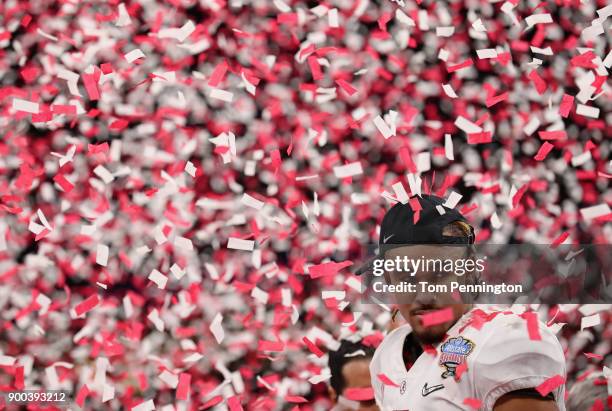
453	353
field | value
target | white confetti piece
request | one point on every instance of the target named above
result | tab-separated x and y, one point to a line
169	378
281	6
547	51
332	16
26	106
259	295
249	87
183	243
486	53
240	244
317	379
46	35
43	219
448	89
251	201
156	320
589	213
590	33
3	245
7	361
581	159
177	271
400	192
452	200
587	111
134	55
320	10
190	169
531	126
423	162
590	321
608	60
222	95
538	19
124	18
108	393
383	127
446	31
148	405
441	210
193	357
507	8
102	255
158	278
286	297
217	329
448	147
467	126
337	295
348	170
590	309
104	174
443	54
495	221
479	26
414	183
179	34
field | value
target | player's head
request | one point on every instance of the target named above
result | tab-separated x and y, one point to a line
350	370
425	229
414	308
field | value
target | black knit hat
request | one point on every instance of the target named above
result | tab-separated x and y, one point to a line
398	227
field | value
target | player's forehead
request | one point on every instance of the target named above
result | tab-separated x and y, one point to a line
431	251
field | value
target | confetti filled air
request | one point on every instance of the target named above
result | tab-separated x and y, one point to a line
187	186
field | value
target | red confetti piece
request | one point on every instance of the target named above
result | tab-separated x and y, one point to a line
473	403
346	87
327	269
82	395
462	65
315	68
66	185
87	305
559	240
533	325
553	135
118	125
594	356
386	380
550	384
480	138
543	151
437	317
460	370
91	86
537	81
567	103
359	394
312	347
182	390
295	399
233	404
218	74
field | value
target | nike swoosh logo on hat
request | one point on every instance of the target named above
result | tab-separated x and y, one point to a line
428	390
387	238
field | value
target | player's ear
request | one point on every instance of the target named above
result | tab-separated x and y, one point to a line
332	393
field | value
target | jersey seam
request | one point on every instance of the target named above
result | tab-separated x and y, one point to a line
507	387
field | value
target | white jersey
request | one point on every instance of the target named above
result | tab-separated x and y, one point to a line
500	358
